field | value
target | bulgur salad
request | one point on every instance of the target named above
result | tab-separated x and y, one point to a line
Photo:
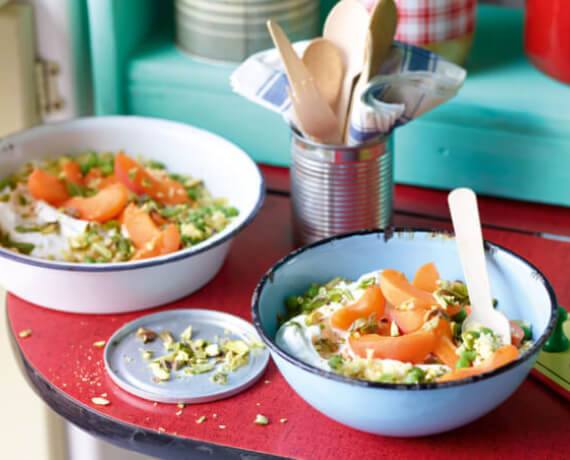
383	328
105	207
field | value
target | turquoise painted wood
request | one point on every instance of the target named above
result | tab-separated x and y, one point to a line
198	93
82	72
117	28
507	133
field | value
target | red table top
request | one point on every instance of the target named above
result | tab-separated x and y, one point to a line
533	423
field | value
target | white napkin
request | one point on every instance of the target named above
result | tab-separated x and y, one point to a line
411	82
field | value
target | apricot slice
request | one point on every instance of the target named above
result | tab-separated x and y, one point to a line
139	224
44	186
137	179
426	277
166	242
72	172
502	356
397	290
106	205
371	301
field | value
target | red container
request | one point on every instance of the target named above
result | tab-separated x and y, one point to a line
547	37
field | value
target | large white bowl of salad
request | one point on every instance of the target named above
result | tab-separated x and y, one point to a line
120	213
367	328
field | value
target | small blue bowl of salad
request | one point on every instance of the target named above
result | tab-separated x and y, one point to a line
366	327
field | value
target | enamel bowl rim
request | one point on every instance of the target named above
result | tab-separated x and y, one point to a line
387	234
227	234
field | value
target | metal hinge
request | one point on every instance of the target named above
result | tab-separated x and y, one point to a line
49	99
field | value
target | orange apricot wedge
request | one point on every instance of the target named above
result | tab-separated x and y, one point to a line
72	172
409	348
446	351
408	320
166	242
105	205
397	290
502	356
137	179
371	301
93	177
426	277
140	226
108	180
44	186
412	348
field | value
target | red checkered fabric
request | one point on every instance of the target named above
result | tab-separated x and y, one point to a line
429	21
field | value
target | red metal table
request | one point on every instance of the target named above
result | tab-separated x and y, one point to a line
66	370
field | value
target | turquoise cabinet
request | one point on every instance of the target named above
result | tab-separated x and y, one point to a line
507	133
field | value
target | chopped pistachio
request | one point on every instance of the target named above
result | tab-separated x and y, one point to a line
25	333
213	350
187	334
405	306
201	368
220	378
394	331
99	344
100	401
261	420
147	354
159	372
236	346
100	249
146	334
31	229
167	339
181	405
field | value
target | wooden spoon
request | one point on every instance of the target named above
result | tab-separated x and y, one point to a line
315	116
467	227
323	60
381	30
346	26
382	27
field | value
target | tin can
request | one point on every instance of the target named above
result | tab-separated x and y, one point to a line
339	189
232	30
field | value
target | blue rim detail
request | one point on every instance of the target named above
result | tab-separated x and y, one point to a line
388	233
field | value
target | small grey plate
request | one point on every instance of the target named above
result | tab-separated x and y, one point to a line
128	369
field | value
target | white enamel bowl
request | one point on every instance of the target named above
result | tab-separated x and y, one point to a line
128	286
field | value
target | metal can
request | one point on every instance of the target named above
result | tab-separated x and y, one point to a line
339	189
232	30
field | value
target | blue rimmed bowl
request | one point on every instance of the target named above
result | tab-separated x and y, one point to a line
398	409
227	171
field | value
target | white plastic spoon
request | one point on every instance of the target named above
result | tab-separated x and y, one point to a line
347	26
467	227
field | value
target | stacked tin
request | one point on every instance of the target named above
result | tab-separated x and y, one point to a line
338	189
231	30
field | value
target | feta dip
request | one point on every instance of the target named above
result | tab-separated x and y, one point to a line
105	207
365	346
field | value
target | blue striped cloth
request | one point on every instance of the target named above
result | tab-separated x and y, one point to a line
410	82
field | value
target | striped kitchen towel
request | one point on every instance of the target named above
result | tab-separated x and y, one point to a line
410	82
